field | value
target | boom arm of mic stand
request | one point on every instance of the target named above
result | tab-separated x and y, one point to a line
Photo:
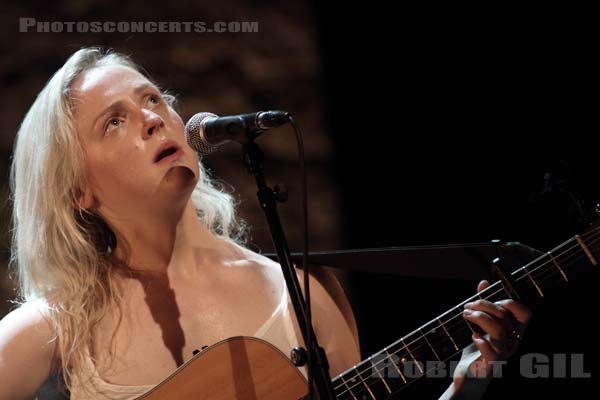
253	158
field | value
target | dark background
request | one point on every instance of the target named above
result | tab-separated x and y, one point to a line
424	124
462	123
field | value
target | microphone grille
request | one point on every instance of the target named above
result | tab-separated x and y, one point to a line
194	133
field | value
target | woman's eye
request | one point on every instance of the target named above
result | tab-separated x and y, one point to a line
112	123
155	99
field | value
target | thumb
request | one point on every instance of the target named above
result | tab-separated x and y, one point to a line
482	285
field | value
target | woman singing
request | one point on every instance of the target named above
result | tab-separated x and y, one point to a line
130	257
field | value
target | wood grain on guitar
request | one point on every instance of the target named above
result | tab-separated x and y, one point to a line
240	367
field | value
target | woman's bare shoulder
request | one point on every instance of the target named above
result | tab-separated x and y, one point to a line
32	315
26	350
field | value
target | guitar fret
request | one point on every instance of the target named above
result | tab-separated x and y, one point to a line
558	267
412	356
587	251
365	384
448	334
440	343
374	366
534	283
349	390
506	290
394	364
467	322
374	385
430	346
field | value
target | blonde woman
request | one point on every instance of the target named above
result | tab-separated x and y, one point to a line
129	257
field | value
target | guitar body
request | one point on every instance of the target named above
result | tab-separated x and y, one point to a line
240	367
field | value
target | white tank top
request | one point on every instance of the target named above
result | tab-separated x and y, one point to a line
278	330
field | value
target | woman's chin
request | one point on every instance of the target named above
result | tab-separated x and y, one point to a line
180	177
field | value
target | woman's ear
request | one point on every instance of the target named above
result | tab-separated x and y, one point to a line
86	200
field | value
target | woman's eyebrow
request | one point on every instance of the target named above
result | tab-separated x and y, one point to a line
140	88
116	106
120	105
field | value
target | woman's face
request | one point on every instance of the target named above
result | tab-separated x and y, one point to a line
136	155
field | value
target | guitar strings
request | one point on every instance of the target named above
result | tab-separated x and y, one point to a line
551	273
416	351
501	291
415	348
463	326
483	293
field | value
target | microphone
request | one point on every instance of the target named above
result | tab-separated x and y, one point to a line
205	132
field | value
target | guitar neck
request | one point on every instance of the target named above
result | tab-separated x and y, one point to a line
419	353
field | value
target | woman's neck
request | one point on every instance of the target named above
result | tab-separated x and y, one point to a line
160	244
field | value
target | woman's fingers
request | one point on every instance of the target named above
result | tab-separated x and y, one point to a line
520	311
498	312
494	328
482	286
503	321
485	348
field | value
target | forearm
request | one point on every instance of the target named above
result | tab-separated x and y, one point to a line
467	383
449	393
467	389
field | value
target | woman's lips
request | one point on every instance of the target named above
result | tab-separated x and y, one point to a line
171	157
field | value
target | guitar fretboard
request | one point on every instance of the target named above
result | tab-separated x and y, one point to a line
420	352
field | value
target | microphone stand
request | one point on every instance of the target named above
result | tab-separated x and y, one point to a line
319	368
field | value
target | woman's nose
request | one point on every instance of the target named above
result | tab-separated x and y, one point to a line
152	122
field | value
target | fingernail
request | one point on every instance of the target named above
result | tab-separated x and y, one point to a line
468	305
467	313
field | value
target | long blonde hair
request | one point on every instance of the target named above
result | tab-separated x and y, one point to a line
62	255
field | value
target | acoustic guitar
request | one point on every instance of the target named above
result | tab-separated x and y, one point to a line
249	368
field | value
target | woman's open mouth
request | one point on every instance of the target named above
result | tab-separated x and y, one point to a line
169	153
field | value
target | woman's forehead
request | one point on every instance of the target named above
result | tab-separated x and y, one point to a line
107	80
100	86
